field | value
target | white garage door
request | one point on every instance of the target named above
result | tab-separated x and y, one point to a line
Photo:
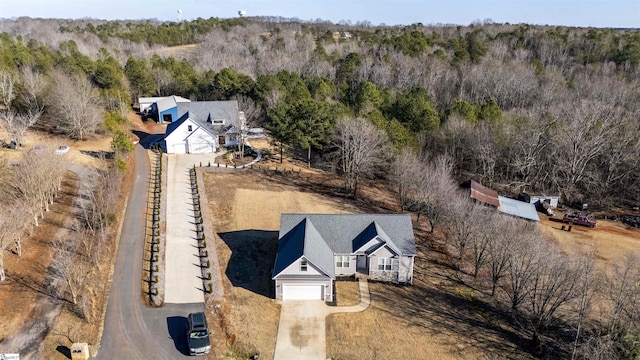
302	292
179	148
200	147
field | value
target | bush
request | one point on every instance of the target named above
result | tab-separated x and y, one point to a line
113	121
121	164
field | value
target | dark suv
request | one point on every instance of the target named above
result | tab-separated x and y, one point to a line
198	334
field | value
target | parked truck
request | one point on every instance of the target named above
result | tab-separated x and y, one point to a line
578	219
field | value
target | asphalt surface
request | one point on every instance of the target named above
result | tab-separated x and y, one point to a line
131	330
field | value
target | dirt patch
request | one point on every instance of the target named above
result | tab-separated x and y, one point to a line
28	306
611	240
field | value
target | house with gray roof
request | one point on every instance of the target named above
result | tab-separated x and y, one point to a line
203	127
314	249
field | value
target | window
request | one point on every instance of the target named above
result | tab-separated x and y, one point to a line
189	128
303	265
342	261
218	122
384	263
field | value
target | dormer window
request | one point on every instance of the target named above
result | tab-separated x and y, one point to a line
189	128
303	265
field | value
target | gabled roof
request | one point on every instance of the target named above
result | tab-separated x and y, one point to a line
204	112
482	193
170	102
155	99
518	208
331	234
372	231
176	124
304	240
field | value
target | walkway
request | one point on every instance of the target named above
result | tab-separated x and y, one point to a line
302	328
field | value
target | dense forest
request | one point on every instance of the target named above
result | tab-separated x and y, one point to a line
519	107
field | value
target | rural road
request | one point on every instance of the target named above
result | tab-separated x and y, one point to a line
131	330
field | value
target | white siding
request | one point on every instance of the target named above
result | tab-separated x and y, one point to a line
382	252
405	270
345	271
294	269
181	140
369	245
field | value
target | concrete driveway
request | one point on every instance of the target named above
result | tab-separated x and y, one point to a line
183	282
302	328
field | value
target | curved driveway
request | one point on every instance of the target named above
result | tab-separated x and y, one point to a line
132	331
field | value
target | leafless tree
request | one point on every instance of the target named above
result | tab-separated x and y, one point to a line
253	112
485	220
75	104
588	279
37	179
163	79
500	248
5	235
68	269
553	284
405	170
624	294
587	129
362	148
32	96
523	262
16	125
435	191
7	88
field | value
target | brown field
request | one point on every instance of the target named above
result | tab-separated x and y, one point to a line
246	210
611	240
409	322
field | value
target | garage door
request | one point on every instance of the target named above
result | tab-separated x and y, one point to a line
200	147
302	292
179	148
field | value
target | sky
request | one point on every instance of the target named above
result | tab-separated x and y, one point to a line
591	13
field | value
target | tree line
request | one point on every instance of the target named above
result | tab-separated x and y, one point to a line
566	304
523	108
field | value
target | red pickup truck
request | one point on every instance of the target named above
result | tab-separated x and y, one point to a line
578	220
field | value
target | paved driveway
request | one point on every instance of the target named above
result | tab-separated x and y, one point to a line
301	332
302	328
132	331
183	282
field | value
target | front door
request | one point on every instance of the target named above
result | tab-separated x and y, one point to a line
361	262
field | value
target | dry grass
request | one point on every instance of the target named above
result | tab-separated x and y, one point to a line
423	321
611	240
347	293
22	295
246	207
